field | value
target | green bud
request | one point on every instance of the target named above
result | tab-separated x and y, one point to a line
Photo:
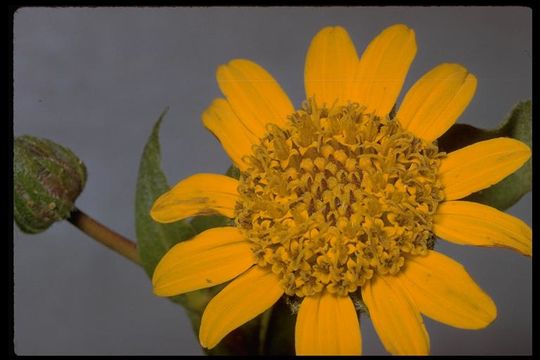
47	178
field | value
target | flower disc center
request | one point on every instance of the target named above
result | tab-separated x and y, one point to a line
336	197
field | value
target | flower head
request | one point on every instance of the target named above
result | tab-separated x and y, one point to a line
342	198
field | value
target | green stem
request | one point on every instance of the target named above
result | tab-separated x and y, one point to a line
104	235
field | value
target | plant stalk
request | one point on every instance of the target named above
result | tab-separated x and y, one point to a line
104	235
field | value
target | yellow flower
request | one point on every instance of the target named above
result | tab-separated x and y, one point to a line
342	198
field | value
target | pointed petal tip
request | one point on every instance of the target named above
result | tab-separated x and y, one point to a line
434	103
383	67
491	313
211	258
475	224
331	28
450	68
223	69
217	102
158	287
158	291
235	138
481	165
156	211
203	343
443	290
199	194
329	66
521	147
340	30
243	299
241	62
254	95
488	315
400	28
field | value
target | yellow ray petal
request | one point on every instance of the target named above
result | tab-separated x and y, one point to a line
330	65
444	291
255	97
435	101
200	194
231	133
383	68
327	325
478	166
469	223
211	258
396	319
244	298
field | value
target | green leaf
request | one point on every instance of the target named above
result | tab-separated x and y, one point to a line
154	239
517	125
202	223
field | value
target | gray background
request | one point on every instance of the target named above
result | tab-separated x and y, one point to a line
95	80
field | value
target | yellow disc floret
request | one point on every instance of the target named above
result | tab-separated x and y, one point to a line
336	197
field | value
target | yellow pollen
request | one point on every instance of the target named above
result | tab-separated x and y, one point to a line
337	197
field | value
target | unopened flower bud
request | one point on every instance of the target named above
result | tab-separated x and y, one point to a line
47	178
